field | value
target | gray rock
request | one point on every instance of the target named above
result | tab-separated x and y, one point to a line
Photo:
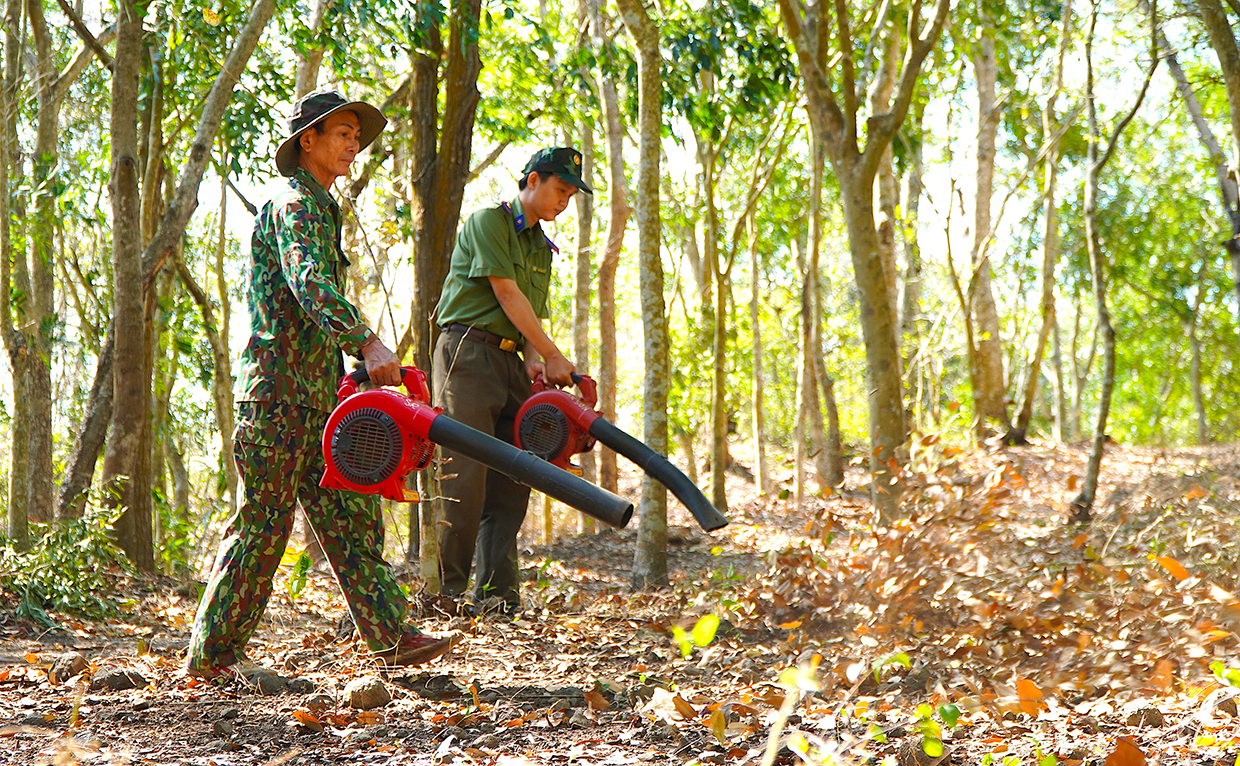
117	679
230	713
33	720
300	686
366	693
1146	716
270	684
579	719
486	742
143	703
67	666
223	728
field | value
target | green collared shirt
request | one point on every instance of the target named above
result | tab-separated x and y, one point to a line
496	242
300	320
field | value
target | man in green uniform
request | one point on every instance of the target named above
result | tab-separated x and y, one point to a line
493	343
300	321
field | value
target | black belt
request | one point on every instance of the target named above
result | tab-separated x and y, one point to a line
482	336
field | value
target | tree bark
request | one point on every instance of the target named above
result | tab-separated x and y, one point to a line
134	271
1081	506
762	478
1223	40
618	212
650	559
855	168
583	281
1050	234
986	357
310	59
41	303
131	387
91	436
18	504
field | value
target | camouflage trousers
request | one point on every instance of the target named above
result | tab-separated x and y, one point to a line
279	455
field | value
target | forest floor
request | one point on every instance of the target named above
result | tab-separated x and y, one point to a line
982	631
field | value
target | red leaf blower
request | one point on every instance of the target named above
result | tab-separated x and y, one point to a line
555	425
375	438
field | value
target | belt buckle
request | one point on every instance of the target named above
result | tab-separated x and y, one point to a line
507	344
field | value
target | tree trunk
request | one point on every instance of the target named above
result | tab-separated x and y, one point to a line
41	299
986	368
887	432
1199	402
1060	394
134	271
885	180
91	436
910	295
310	59
836	119
618	211
1050	235
583	280
221	376
762	478
18	504
1223	40
650	559
1081	506
131	387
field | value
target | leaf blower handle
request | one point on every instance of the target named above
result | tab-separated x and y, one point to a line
662	470
413	379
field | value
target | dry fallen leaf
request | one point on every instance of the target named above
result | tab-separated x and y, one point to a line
597	701
1126	753
684	708
1030	696
1175	568
719	726
1164	676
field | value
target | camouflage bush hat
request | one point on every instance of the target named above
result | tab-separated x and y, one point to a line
317	106
564	161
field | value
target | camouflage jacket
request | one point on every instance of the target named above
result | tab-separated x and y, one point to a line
300	320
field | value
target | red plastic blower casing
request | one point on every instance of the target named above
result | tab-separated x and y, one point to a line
374	439
555	425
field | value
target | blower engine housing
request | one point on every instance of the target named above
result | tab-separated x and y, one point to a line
555	425
374	439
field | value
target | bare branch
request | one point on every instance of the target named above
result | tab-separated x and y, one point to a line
87	38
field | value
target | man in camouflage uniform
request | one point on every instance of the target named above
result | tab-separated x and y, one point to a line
493	344
300	321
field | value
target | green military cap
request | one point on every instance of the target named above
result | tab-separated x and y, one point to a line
564	161
318	106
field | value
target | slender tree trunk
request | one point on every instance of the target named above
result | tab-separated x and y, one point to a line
310	59
910	295
91	436
987	361
618	210
18	504
1060	394
41	300
221	374
1199	402
582	283
885	181
1222	36
1082	505
1050	234
650	558
762	477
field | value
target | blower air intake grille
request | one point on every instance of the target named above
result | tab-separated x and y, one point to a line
366	447
544	430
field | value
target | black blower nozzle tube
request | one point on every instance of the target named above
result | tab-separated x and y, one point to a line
532	471
662	470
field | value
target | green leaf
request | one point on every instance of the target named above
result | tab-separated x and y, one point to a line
1048	760
704	630
932	746
950	715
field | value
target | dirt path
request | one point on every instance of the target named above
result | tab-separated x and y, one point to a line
983	624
